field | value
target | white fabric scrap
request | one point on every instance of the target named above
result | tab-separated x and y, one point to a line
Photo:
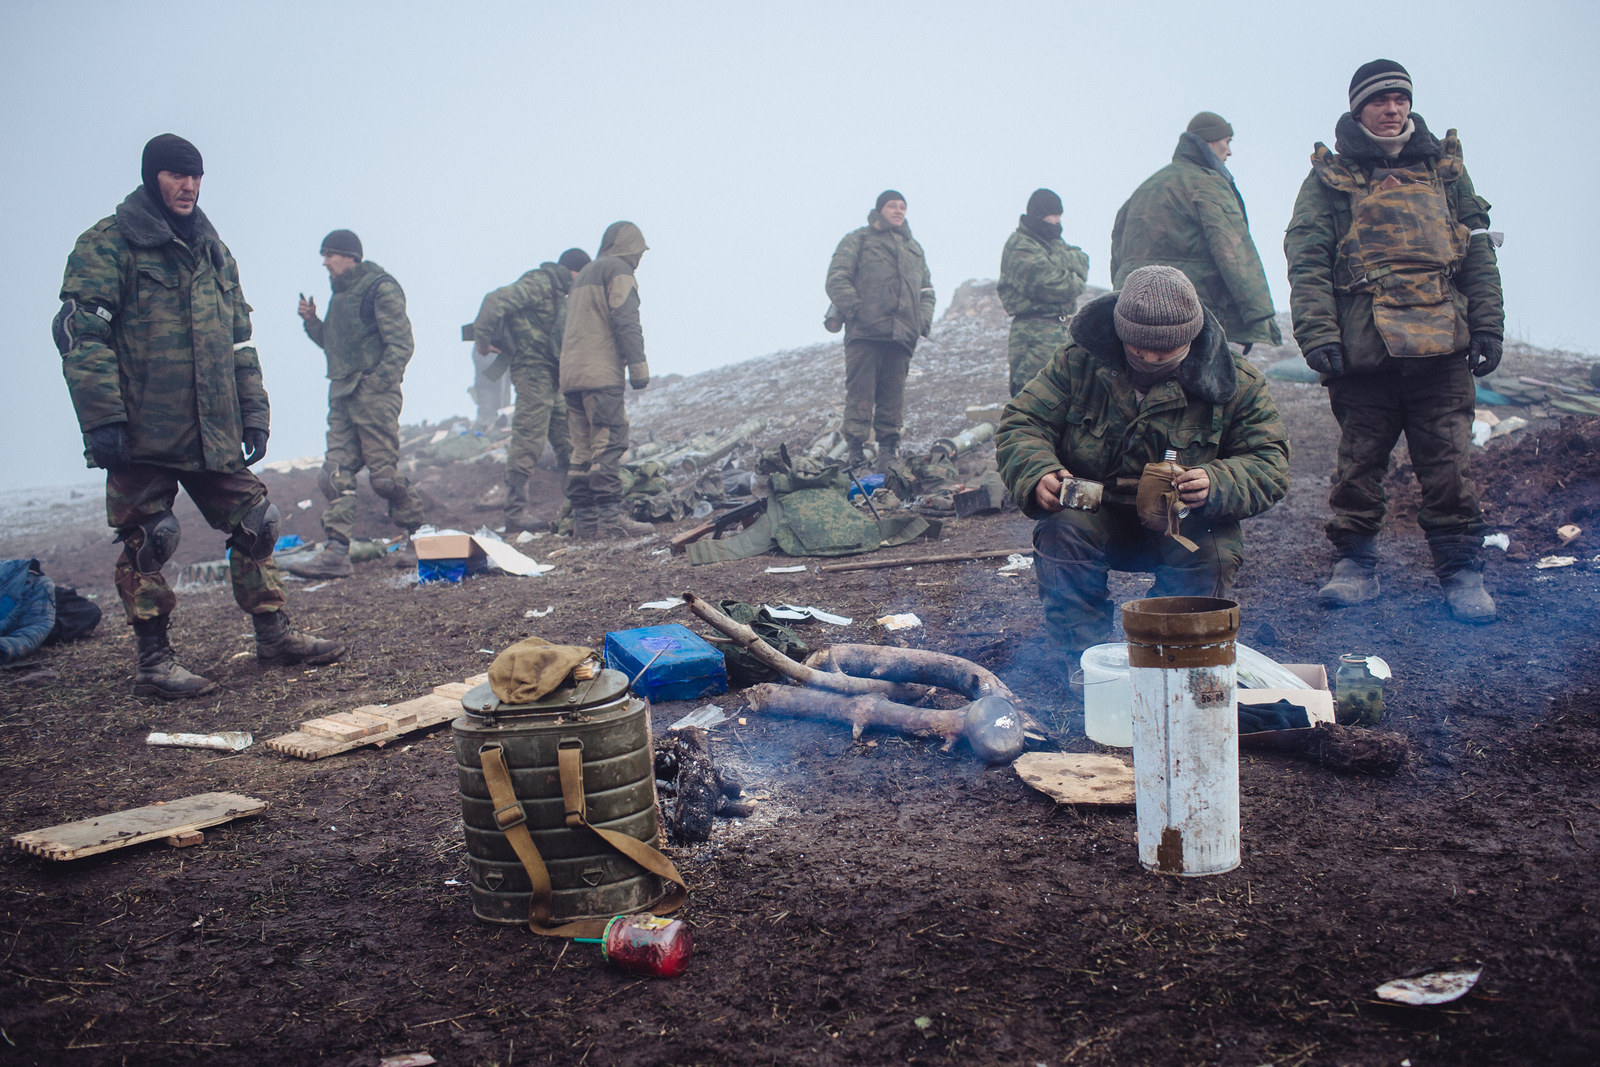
904	621
1552	562
795	613
1017	562
787	570
1497	540
662	605
533	614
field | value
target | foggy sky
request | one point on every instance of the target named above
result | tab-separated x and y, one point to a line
465	144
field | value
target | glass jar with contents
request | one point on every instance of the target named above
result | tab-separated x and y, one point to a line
1358	685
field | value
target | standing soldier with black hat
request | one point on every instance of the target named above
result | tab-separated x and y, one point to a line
1041	278
1189	215
1395	293
879	283
367	338
156	348
522	323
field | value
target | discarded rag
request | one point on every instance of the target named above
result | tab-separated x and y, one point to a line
532	668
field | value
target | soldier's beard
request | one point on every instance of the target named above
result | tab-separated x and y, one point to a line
185	226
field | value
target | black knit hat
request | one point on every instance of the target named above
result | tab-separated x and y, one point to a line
168	151
1379	76
1210	126
574	259
1043	202
888	195
344	242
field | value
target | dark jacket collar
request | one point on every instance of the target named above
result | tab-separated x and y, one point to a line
1207	373
145	225
1351	139
352	277
1044	232
1192	149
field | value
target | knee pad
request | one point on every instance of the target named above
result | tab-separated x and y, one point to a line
152	542
388	484
257	532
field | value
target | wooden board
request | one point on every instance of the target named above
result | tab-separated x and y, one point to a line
1077	777
179	820
416	714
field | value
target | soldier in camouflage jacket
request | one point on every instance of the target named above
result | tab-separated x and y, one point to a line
1126	389
1189	215
1396	299
1041	278
155	341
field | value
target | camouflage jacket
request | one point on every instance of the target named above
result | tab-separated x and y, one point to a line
367	334
878	280
1081	412
524	320
155	332
1331	301
602	334
1041	278
1189	215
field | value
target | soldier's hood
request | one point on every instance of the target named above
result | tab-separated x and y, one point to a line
876	220
1206	373
1350	138
623	239
145	225
560	276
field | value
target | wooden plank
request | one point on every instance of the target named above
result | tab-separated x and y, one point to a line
186	839
1077	777
342	727
454	690
420	713
393	716
169	819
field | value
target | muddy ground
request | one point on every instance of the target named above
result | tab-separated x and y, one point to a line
888	902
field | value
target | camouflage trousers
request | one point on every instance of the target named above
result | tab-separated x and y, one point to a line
364	431
540	413
1433	407
1074	552
1032	343
598	422
875	390
143	492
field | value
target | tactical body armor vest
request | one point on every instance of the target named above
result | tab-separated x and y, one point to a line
350	335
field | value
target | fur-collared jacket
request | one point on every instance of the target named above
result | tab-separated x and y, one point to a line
1082	413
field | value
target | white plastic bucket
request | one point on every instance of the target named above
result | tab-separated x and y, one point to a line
1183	682
1107	701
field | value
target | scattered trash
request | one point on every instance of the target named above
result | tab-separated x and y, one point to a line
1497	540
662	605
227	741
532	614
287	542
799	568
1016	563
1438	987
314	588
1552	562
1568	532
488	652
645	944
1077	777
702	718
408	1059
1259	671
904	621
525	536
794	613
303	505
454	881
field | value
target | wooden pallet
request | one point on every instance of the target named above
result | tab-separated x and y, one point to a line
179	821
371	724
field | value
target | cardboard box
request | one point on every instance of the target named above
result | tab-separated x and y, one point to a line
448	557
1315	698
687	669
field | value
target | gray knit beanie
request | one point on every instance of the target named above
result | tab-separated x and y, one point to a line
1158	309
1210	126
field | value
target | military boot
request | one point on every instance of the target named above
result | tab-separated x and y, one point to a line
585	522
888	455
278	644
404	555
614	522
332	562
518	517
1355	574
855	453
159	675
1456	561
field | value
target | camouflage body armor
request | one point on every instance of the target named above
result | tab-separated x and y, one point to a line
1402	247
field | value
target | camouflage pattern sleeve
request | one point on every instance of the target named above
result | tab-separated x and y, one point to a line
1251	471
254	411
491	313
1228	239
394	329
841	283
1311	246
93	280
1030	431
314	330
1478	277
928	297
622	297
1045	281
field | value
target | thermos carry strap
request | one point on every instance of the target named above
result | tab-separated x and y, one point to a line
513	822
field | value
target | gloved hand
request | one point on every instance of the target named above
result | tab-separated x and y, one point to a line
1483	353
639	374
1248	345
1327	359
255	445
109	446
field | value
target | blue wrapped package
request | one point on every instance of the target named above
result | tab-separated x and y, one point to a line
689	667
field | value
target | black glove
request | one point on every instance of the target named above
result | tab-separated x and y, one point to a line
1327	359
1248	345
1483	353
255	445
109	446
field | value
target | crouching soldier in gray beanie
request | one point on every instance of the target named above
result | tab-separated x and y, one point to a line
1147	373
